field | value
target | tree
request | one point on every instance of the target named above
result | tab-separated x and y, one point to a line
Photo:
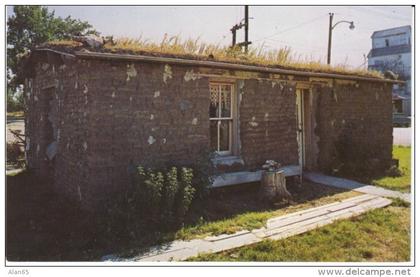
14	100
31	26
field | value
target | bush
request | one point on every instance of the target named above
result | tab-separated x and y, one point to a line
186	192
169	193
394	171
157	200
203	171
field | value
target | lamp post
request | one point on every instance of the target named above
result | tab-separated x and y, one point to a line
330	29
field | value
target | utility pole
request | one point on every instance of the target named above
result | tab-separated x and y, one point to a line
233	30
246	28
329	38
239	26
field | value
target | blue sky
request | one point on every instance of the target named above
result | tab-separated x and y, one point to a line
303	28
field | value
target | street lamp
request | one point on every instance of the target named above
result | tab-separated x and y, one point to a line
331	27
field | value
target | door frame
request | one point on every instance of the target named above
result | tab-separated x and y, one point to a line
303	99
300	127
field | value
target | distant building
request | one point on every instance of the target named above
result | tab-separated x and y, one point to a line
391	50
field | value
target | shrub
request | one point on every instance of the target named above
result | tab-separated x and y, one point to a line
151	191
186	192
203	171
157	200
394	171
170	190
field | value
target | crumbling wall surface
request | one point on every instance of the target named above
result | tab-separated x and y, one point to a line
354	126
55	125
106	117
40	101
142	114
267	116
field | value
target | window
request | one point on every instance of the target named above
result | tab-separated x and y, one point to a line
378	62
386	42
221	115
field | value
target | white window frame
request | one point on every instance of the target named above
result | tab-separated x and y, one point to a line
231	119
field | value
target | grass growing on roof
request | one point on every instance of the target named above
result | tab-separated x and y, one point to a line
378	236
194	48
403	182
282	57
65	43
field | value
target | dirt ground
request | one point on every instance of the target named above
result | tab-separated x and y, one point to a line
229	201
41	226
15	124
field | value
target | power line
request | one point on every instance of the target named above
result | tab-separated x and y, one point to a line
291	28
288	43
294	47
381	13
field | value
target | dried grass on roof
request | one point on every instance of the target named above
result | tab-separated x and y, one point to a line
194	48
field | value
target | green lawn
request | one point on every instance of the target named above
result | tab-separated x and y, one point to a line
379	235
252	220
401	183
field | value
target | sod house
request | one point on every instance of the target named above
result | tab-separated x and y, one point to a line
93	114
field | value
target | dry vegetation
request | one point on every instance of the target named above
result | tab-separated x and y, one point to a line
64	43
194	48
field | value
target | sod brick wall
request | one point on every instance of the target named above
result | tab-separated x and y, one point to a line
354	126
110	116
267	117
56	112
143	114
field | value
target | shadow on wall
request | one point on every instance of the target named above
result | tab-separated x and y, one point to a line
352	157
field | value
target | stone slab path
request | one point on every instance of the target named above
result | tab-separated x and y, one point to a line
356	186
276	228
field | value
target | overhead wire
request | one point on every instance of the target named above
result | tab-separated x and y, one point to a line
291	28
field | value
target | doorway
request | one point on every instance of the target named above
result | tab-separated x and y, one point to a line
299	127
305	129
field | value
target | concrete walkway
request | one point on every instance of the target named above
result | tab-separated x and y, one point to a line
276	228
11	171
402	136
356	186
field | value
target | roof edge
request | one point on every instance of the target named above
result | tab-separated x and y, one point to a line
57	52
216	64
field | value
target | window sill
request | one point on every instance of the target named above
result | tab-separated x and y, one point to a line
227	160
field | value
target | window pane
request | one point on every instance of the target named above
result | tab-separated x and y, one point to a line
214	101
213	135
226	100
224	135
